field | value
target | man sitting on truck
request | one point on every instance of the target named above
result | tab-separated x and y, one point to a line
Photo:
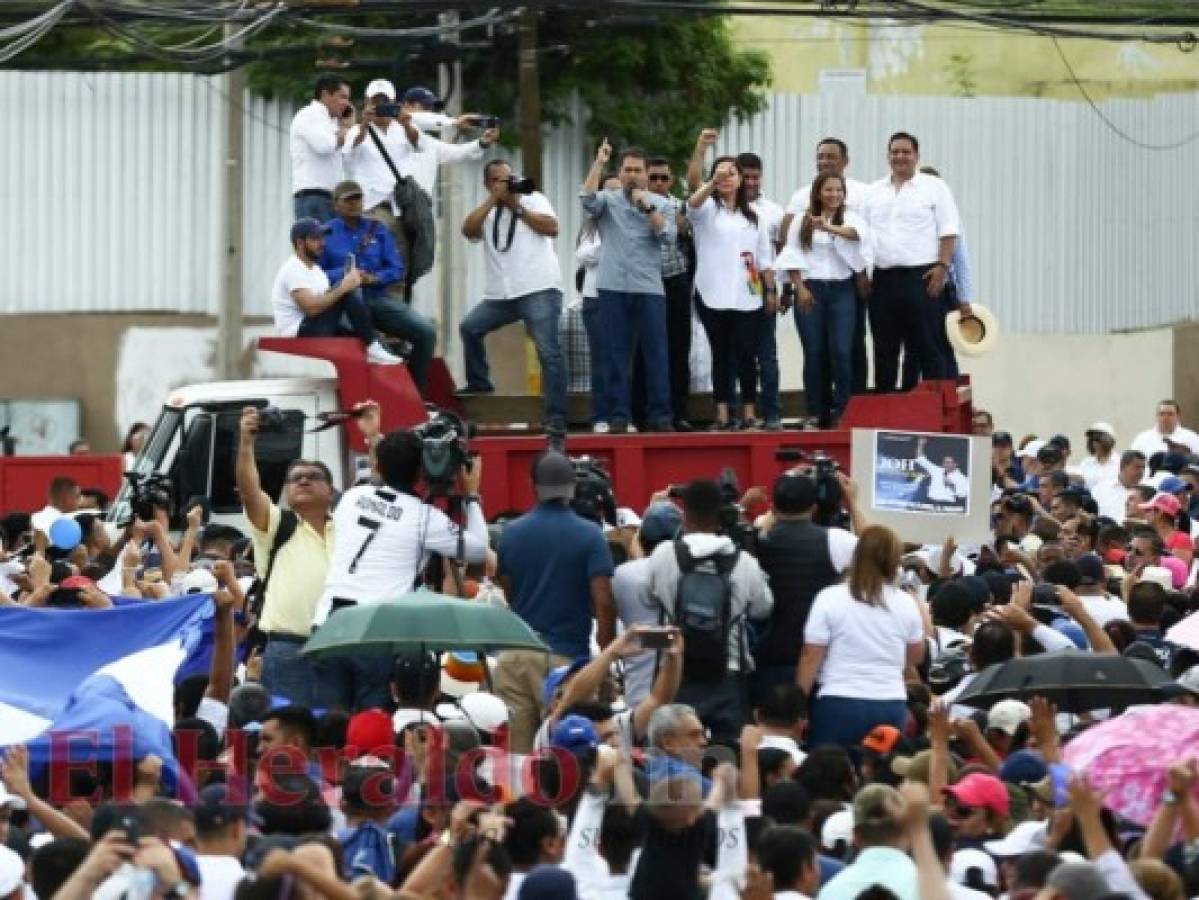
291	554
304	304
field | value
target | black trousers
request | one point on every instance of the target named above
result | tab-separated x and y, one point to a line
949	302
678	351
904	317
733	336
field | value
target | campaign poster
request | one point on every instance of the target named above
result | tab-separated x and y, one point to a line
921	473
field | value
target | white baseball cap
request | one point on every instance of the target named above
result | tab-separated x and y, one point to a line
484	710
199	581
973	858
1102	428
626	518
381	86
1032	448
1023	838
1006	716
837	827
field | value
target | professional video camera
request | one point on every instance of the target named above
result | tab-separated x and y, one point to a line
445	449
823	470
149	492
732	526
594	498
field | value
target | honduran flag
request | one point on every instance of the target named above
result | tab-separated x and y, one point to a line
103	677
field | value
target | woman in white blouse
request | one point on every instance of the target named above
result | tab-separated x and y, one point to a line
733	281
588	251
826	252
858	639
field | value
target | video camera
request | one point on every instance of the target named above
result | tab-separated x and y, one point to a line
149	492
822	469
594	498
445	450
741	533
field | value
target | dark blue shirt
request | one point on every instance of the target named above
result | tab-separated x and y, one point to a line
371	243
549	556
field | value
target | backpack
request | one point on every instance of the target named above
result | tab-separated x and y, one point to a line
416	217
703	612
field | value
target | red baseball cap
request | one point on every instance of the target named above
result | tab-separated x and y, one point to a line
882	739
367	732
1167	503
76	581
979	790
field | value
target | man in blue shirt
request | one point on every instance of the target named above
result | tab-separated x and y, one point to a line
557	593
375	256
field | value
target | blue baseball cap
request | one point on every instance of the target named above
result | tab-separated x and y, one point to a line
557	677
1172	484
661	522
307	227
1023	767
546	882
421	95
575	733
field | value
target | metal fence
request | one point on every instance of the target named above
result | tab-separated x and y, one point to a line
110	186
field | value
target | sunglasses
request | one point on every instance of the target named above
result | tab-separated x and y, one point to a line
659	178
957	808
297	477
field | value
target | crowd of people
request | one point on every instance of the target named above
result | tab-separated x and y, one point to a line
753	696
652	255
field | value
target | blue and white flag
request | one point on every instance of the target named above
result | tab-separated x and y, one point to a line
93	670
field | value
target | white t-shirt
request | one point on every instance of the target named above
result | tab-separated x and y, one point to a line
908	222
294	275
1111	498
1153	441
219	876
383	541
731	252
866	645
519	261
1104	609
1094	472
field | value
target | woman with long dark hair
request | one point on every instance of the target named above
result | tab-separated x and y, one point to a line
733	281
859	638
821	258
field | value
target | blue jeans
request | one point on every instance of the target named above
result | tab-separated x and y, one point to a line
595	344
285	673
828	327
844	721
348	317
354	683
627	321
313	206
770	406
393	316
540	311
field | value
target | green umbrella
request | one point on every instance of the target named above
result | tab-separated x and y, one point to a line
423	620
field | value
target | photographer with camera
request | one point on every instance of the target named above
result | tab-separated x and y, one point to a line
384	537
802	554
393	126
291	556
422	104
318	132
523	281
708	588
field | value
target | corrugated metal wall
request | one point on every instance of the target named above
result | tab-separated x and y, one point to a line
110	187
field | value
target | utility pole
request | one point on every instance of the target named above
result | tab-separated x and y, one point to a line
452	305
530	95
229	317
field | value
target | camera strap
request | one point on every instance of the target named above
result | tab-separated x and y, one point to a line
383	151
495	230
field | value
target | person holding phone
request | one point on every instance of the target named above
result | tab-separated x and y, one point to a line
318	132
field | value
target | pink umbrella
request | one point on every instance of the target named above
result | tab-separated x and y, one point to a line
1126	758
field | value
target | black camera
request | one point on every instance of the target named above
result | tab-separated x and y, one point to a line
270	420
518	185
488	122
445	450
732	526
149	492
594	498
823	470
387	110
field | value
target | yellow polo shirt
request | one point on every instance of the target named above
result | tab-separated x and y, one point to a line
299	575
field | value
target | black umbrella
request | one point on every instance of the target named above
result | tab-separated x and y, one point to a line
1072	680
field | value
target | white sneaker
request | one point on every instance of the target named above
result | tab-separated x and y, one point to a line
380	357
601	428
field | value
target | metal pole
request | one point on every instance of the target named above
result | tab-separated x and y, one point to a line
229	319
452	302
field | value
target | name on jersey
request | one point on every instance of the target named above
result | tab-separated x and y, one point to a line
379	508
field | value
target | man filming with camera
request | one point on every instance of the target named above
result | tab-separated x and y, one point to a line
523	281
385	536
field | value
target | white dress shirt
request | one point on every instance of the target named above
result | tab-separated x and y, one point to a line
944	487
315	155
831	258
771	215
365	164
526	265
587	255
1153	441
1094	472
908	222
1112	499
726	245
434	152
855	198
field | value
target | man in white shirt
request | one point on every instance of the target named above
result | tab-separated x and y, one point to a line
1168	434
420	102
318	131
383	539
220	841
946	483
304	305
914	222
523	282
1112	496
1103	463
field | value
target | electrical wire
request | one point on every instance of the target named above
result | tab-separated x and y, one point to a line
26	34
1112	126
494	16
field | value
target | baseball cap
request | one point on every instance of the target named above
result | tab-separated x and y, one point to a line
1060	441
916	768
421	95
575	733
1163	502
559	676
1159	575
1025	837
1006	716
1023	767
626	518
307	227
1102	428
249	702
1090	567
1032	448
875	804
381	86
367	731
76	582
345	189
881	739
553	476
484	710
980	790
547	882
199	581
218	805
837	828
969	859
1172	484
1187	684
661	522
1178	571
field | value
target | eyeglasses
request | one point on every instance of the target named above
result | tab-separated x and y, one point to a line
659	177
297	477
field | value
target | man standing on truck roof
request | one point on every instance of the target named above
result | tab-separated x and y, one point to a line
291	553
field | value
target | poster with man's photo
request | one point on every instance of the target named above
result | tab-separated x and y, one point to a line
921	473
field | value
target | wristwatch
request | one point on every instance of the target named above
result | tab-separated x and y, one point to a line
178	891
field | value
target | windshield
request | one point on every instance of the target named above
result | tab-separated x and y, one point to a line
154	451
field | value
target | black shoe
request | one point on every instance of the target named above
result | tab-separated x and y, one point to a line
683	425
471	390
662	425
618	426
